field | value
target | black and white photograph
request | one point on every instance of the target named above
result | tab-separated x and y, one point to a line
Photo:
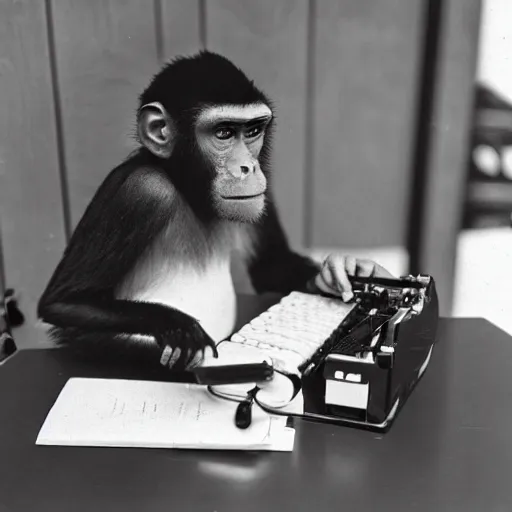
255	255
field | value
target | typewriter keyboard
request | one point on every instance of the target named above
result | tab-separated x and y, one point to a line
291	331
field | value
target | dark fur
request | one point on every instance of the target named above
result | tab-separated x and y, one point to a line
186	85
140	199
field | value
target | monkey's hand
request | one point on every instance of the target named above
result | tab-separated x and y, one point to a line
333	276
183	342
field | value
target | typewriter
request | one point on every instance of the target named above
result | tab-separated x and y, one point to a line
357	362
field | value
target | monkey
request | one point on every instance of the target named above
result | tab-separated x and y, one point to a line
146	272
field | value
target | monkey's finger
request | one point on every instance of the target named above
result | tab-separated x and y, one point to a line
193	358
351	265
322	283
196	359
365	268
325	281
187	356
337	267
213	346
203	340
176	353
166	355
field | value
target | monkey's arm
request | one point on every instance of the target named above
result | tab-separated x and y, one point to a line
128	212
275	267
114	315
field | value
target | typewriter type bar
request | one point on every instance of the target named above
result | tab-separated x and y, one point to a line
367	371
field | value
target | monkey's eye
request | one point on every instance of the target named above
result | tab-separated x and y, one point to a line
254	131
224	133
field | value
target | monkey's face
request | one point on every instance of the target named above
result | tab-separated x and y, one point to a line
230	139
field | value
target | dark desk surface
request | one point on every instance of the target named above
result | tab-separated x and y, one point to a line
449	449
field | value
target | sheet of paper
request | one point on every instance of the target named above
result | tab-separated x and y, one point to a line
129	413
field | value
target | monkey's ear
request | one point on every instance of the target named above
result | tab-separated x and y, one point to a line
155	129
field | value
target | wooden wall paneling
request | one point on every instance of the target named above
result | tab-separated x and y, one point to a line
268	40
106	52
182	27
30	189
450	130
365	83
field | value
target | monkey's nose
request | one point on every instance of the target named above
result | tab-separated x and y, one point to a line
244	169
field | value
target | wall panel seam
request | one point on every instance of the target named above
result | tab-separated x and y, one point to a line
57	105
159	31
309	131
203	34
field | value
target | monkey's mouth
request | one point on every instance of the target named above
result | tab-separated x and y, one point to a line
242	198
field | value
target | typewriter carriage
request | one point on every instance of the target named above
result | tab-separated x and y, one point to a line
372	362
